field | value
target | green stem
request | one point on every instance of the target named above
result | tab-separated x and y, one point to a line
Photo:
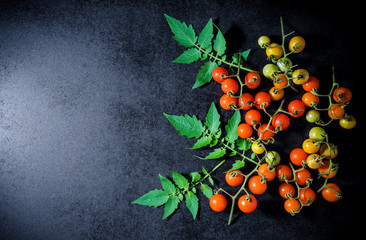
208	174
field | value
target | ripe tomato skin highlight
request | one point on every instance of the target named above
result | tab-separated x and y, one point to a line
261	98
234	181
252	115
342	95
246	99
281	119
298	155
218	74
283	171
286	188
266	134
292	205
252	80
256	186
244	130
330	195
218	202
226	101
302	176
307	196
247	205
268	175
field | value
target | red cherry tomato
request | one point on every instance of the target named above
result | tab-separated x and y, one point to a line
247	203
262	98
307	196
286	189
296	108
266	134
252	117
227	101
229	85
283	172
312	82
268	174
244	130
302	176
256	186
218	202
252	80
282	120
219	73
235	180
298	155
245	99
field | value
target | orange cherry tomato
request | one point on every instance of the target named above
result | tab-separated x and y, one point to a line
268	174
330	195
218	202
342	95
235	180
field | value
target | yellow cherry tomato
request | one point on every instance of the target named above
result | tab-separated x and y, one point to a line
300	76
296	44
276	94
325	152
312	161
264	41
274	51
310	146
348	123
257	148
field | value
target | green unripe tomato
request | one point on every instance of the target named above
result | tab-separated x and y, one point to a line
269	70
264	41
312	116
284	64
317	133
273	158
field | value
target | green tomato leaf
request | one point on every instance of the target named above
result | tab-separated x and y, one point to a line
238	164
213	119
211	180
170	206
206	190
187	126
217	153
192	203
202	142
245	54
205	74
220	43
168	186
243	144
189	56
180	180
184	34
204	170
195	177
231	127
154	198
205	37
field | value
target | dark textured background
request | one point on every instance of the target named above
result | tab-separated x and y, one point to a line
83	88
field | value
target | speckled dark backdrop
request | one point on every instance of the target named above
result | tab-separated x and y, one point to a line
83	88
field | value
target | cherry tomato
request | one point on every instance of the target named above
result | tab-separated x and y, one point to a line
281	121
300	76
252	80
218	202
276	94
264	41
246	99
257	147
312	116
226	101
330	195
274	51
310	146
310	84
285	190
297	156
256	186
268	175
264	135
309	99
348	122
262	99
292	206
323	170
336	112
235	180
296	108
302	176
280	80
307	196
244	130
273	158
229	85
284	64
283	172
311	161
325	152
269	70
296	44
219	74
252	117
317	133
342	95
247	204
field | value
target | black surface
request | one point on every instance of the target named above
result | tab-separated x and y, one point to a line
83	88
